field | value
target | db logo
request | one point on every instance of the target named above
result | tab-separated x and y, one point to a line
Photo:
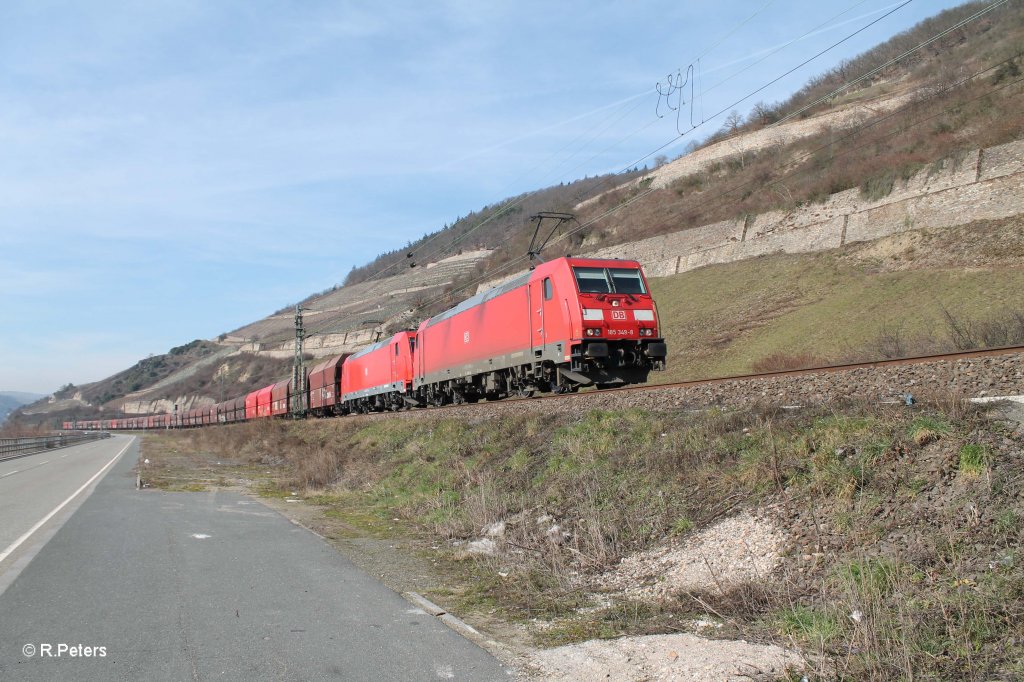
465	337
618	314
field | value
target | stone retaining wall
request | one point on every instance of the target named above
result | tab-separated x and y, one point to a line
984	184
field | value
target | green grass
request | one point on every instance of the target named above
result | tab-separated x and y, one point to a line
973	459
720	320
682	526
813	626
924	430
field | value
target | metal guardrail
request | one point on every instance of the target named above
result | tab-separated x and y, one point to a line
18	447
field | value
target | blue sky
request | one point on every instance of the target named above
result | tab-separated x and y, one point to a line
170	170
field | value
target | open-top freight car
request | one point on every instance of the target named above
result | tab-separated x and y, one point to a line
324	384
280	398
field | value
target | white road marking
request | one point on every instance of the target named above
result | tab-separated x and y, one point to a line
200	536
997	398
17	543
34	466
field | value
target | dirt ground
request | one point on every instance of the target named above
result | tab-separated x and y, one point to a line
736	549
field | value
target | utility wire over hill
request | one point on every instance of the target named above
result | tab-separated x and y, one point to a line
497	271
747	185
674	87
423	256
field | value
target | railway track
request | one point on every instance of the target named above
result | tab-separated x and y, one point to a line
905	382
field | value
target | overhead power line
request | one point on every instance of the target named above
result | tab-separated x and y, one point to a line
496	271
432	238
892	61
745	185
644	158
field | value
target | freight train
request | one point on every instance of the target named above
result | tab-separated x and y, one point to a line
566	324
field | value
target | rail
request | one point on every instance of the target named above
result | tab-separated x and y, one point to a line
11	448
825	369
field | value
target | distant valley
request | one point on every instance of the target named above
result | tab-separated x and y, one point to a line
12	400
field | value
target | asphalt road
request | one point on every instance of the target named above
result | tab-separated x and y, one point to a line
198	586
38	492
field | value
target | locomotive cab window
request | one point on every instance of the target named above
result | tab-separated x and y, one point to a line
548	289
627	281
592	280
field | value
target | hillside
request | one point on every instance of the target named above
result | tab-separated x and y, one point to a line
853	144
928	110
914	293
196	373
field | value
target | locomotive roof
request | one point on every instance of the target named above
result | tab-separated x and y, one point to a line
480	298
514	284
370	349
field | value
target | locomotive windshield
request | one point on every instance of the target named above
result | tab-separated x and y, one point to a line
609	281
627	281
592	280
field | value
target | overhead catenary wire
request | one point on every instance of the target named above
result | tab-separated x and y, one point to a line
690	69
437	234
841	154
806	62
674	140
741	186
494	272
773	51
872	72
647	156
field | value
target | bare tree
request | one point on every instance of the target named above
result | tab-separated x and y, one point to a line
732	122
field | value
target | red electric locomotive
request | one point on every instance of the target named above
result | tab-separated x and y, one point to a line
379	376
568	323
